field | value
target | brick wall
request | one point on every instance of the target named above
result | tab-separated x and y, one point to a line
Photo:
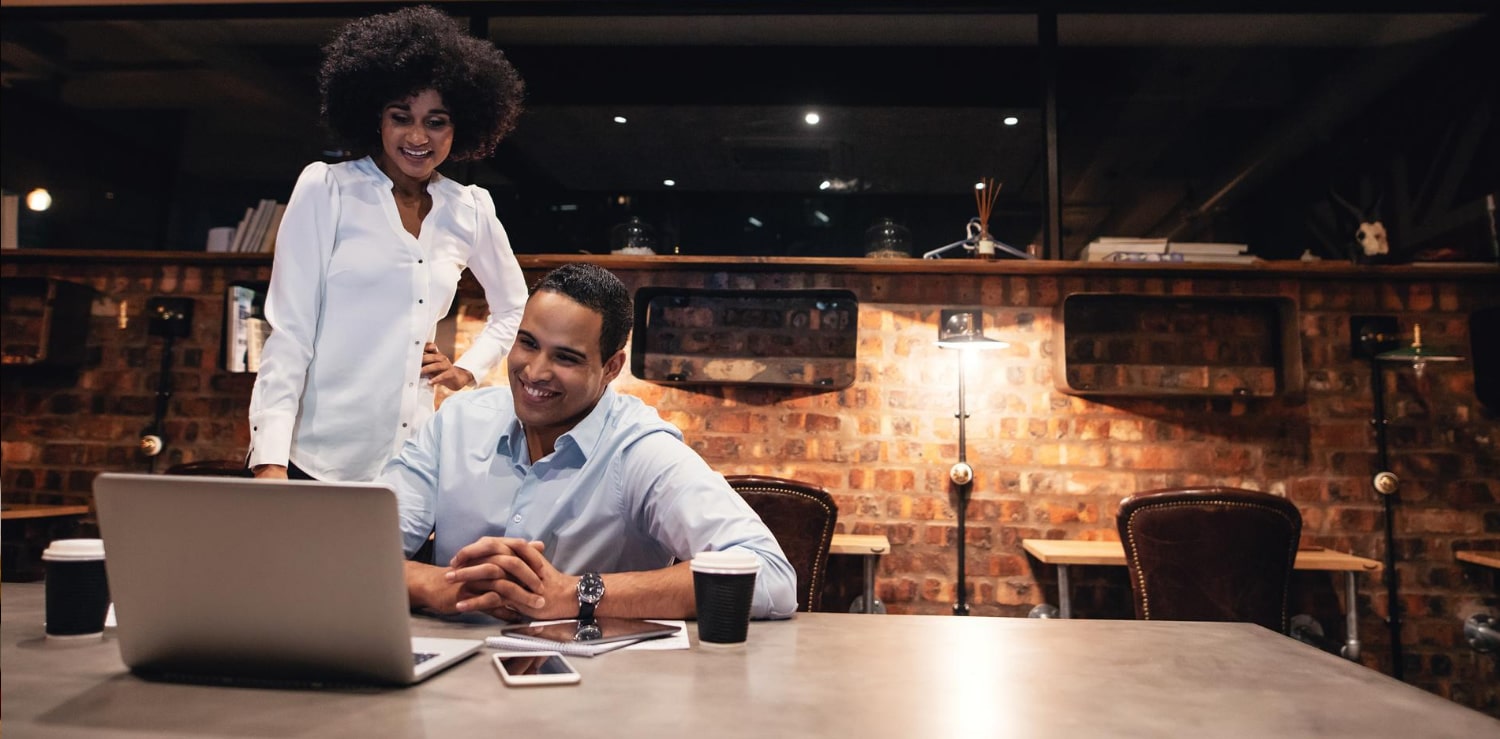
1048	464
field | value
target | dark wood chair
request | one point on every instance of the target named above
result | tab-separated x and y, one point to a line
1210	554
801	517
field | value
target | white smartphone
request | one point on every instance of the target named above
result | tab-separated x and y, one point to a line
534	668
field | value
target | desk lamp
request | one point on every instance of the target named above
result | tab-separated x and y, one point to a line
963	329
1375	338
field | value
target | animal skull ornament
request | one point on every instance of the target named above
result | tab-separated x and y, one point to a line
1371	238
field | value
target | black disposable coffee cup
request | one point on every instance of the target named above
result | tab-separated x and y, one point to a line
77	588
724	587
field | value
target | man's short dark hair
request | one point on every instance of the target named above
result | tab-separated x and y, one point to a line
599	290
393	56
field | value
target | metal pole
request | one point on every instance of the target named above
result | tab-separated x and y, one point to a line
163	394
961	607
1052	241
1388	501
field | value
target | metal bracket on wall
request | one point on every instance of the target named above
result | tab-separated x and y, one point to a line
1371	335
170	318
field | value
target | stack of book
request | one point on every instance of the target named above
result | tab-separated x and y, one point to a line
1130	249
1209	251
246	328
256	232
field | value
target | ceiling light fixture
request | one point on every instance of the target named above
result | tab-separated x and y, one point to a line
825	184
1011	120
812	119
39	199
979	186
756	222
822	217
669	183
620	119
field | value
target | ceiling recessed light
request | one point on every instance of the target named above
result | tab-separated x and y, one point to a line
669	183
821	216
979	186
812	119
620	119
1011	120
824	185
756	222
39	199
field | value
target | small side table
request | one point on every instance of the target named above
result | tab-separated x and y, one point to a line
870	547
28	527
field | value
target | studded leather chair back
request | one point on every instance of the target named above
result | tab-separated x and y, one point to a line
1210	554
801	517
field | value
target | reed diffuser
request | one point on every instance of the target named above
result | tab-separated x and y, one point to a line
985	194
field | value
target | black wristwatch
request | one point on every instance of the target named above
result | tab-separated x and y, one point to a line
590	591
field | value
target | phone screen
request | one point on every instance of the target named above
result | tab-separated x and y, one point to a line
532	664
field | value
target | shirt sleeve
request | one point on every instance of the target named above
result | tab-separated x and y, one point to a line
689	508
495	266
413	474
304	245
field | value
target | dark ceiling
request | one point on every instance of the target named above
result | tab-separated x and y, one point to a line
1165	121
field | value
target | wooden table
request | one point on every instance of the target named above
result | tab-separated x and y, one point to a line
12	511
870	547
1062	553
816	675
1483	559
26	529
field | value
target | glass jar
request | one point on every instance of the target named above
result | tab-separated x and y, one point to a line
634	236
887	239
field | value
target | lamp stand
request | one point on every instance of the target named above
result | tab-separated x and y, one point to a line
961	479
1370	336
1387	485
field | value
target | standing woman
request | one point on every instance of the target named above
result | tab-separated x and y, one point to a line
370	251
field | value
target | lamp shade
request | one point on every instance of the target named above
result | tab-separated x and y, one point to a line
1416	354
963	328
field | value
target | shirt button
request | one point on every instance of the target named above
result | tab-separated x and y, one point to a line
416	343
517	519
420	301
403	425
421	261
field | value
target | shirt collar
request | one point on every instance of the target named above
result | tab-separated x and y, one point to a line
583	437
368	166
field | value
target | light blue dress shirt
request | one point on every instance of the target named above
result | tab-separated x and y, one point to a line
620	493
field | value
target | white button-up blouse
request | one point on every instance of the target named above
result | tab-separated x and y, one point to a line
354	297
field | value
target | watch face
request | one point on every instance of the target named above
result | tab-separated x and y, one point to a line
590	588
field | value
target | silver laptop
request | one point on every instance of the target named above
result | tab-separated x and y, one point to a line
255	581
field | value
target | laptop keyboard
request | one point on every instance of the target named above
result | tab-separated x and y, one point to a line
420	657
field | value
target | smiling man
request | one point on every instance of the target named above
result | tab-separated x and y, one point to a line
556	497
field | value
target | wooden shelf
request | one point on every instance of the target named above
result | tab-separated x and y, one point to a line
1282	269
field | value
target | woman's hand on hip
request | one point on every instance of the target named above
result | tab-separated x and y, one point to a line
439	370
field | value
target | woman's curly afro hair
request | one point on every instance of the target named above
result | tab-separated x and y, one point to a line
393	56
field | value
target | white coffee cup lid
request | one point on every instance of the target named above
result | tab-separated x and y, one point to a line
726	562
74	549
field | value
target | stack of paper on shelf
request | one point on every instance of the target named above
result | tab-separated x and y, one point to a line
1208	251
1127	249
1132	249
